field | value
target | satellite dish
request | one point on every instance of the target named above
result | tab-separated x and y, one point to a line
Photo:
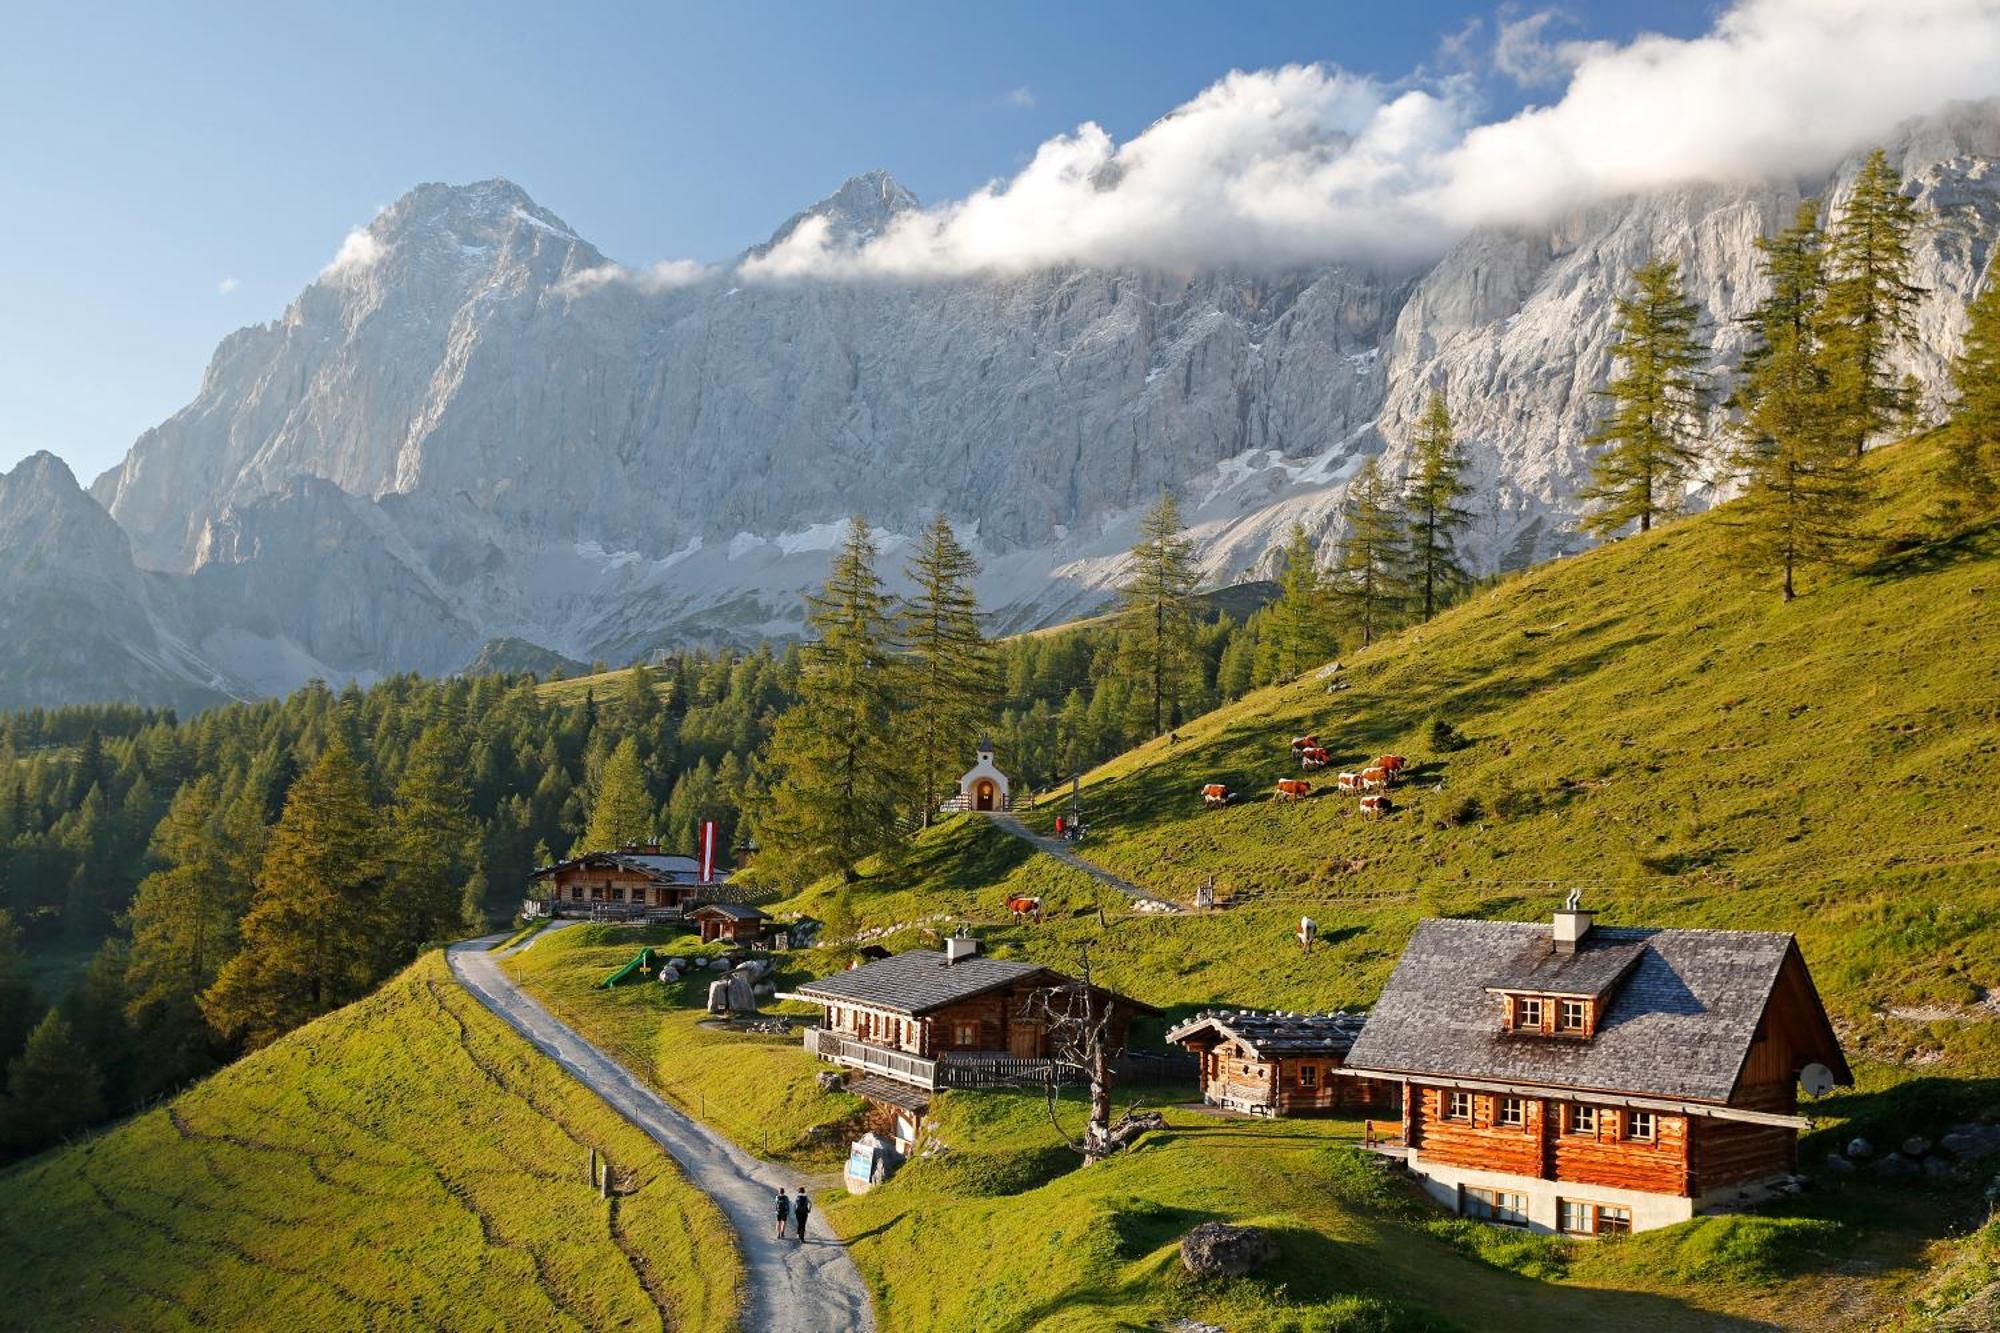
1816	1079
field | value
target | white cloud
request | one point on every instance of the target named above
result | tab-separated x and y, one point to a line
1311	163
358	252
1022	97
226	286
1523	52
663	276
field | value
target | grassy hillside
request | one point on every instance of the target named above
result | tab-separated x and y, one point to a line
1641	721
405	1162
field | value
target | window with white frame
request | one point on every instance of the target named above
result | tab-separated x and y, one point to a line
1487	1205
1513	1112
1641	1125
1458	1106
1583	1120
1530	1017
1574	1217
1575	1015
1613	1221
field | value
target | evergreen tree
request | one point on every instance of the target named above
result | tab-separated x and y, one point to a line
1156	630
1803	487
952	681
52	1087
831	761
1296	630
430	829
622	809
1430	498
310	936
1649	438
1870	302
1972	441
1370	569
17	997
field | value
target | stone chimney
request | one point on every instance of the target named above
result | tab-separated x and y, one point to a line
958	947
1572	923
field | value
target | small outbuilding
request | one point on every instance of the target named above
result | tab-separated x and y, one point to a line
983	786
1275	1064
730	923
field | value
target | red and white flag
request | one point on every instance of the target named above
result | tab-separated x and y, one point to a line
708	851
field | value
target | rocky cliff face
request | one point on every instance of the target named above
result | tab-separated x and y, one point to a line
473	426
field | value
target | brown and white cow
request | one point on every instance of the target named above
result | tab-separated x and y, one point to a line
1313	757
1306	742
1349	782
1294	789
1021	907
1214	795
1376	806
1392	764
1374	779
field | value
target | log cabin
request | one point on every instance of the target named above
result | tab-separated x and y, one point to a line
729	923
634	881
1278	1064
1592	1080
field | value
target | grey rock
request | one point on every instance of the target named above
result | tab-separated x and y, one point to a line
1939	1168
1971	1140
1217	1249
1860	1149
1839	1166
830	1081
1895	1167
1916	1146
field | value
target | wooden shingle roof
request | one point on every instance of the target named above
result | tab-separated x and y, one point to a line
1266	1035
919	981
734	911
1679	1024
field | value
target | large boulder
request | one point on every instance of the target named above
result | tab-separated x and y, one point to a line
1971	1140
1217	1249
1895	1167
1859	1148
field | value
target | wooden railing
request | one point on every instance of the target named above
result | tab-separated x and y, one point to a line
899	1065
971	1070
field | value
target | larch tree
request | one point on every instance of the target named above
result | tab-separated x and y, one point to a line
1155	625
1972	440
621	808
17	997
52	1087
431	832
1649	442
952	677
1803	488
1435	485
309	938
1870	302
1297	629
1370	571
833	772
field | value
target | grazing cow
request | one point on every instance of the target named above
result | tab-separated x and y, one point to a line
1349	781
1374	779
1214	795
1375	806
1313	757
1294	789
1021	907
1306	742
1393	764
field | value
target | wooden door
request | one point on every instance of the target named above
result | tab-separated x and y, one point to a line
1024	1041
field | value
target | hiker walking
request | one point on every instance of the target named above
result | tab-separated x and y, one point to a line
784	1213
801	1209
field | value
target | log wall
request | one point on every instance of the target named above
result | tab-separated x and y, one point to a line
1539	1148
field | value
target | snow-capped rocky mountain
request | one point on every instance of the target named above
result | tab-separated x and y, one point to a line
474	425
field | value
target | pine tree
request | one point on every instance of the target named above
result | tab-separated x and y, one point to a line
17	997
1650	436
1370	571
622	809
52	1087
309	938
1155	627
1870	302
1803	488
831	760
1972	441
430	829
1296	630
1430	498
952	678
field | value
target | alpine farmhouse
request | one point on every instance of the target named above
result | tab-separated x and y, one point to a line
1596	1080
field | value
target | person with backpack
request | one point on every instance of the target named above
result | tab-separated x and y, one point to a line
784	1213
801	1209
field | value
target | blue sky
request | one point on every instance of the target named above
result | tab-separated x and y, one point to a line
171	172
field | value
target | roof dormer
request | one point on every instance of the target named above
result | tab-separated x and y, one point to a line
1561	985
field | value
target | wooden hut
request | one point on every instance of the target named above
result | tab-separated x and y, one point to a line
1277	1064
638	881
1588	1080
729	923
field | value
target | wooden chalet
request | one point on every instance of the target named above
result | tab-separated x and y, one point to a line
730	923
925	1020
1279	1063
1591	1080
637	882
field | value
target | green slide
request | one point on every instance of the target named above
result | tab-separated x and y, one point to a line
640	968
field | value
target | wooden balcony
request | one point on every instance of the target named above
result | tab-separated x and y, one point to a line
899	1065
958	1069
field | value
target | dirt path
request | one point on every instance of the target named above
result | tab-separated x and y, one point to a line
809	1288
1062	851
